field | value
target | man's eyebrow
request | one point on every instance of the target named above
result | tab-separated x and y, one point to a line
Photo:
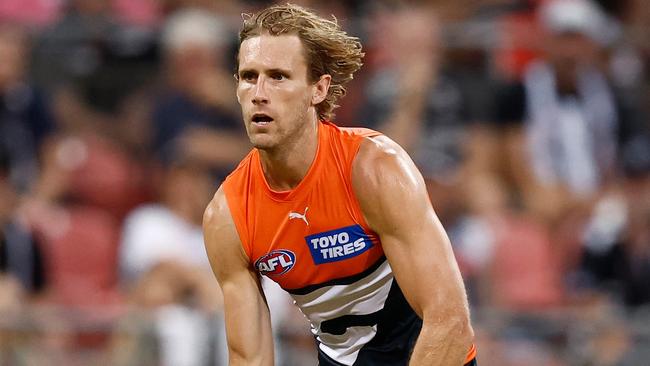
242	71
266	71
278	70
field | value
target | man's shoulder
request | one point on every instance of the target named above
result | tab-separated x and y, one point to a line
384	179
217	208
218	216
379	158
221	236
376	150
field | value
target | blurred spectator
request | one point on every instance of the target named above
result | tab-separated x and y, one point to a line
564	122
36	13
180	300
88	47
164	267
616	245
80	250
87	185
143	13
24	114
506	256
20	256
13	296
518	35
40	13
12	300
163	262
229	8
72	48
133	128
421	100
169	230
87	162
197	114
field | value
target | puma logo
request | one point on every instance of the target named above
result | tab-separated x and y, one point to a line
297	215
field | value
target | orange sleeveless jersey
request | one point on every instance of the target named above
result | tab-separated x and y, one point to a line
315	243
304	222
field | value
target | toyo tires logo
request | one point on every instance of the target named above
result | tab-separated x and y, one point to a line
276	262
337	245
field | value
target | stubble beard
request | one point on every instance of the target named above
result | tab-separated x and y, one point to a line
286	138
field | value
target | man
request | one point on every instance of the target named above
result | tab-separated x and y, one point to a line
563	121
338	217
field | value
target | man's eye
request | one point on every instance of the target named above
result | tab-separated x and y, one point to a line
278	76
247	76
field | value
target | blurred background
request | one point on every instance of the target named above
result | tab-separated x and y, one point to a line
529	119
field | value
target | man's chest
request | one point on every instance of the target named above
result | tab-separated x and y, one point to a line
310	241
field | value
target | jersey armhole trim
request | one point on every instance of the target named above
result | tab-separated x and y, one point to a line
240	223
350	186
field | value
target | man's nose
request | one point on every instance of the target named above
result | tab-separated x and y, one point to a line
260	95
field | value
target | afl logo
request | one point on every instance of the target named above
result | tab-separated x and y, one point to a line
276	262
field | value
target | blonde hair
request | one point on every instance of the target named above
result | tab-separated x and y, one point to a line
328	49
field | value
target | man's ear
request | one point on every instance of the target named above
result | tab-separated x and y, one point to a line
321	87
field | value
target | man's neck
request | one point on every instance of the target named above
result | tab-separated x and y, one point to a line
285	167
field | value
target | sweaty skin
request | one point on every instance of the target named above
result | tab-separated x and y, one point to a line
272	80
386	181
248	323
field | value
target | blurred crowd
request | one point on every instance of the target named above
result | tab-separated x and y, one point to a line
529	119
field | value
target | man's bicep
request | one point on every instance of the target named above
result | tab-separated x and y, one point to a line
425	268
395	202
390	189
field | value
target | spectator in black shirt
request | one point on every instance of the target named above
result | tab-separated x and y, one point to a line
20	256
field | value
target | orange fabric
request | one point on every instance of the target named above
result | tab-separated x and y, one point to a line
471	354
325	197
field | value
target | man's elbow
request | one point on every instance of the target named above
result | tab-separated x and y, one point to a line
465	331
455	325
241	359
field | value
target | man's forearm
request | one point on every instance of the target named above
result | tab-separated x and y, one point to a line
442	344
236	359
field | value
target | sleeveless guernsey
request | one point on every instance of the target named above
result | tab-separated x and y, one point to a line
315	243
